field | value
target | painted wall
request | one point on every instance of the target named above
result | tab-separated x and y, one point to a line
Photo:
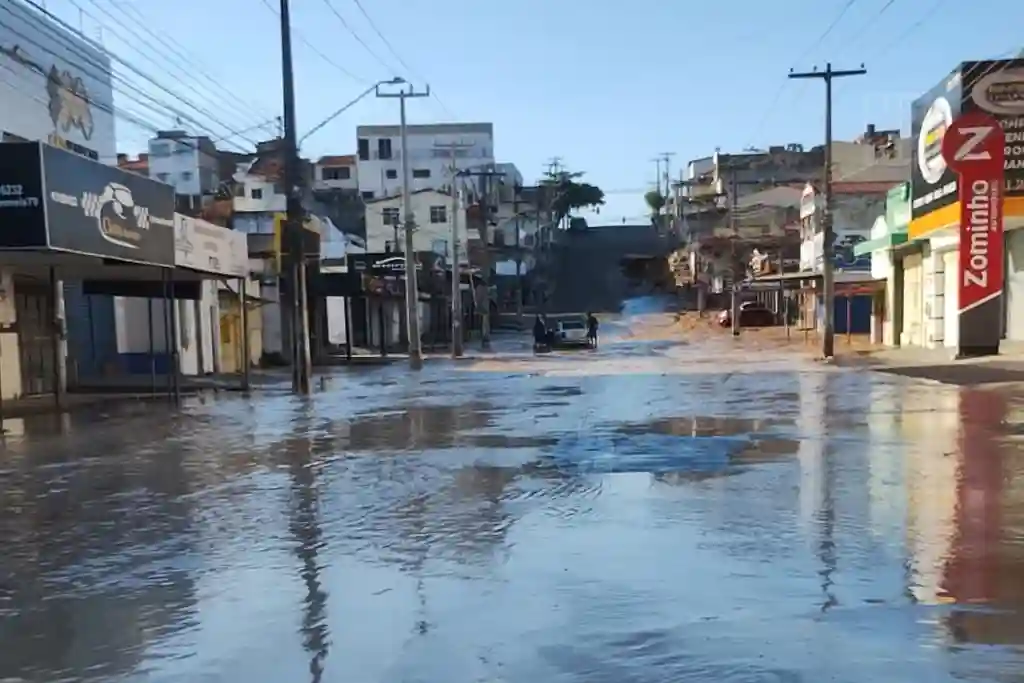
10	362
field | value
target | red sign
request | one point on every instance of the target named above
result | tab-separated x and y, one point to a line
973	147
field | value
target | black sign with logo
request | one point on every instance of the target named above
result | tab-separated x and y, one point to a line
997	88
85	207
22	214
932	184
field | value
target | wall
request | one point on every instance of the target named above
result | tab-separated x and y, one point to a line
269	201
427	236
10	361
424	154
84	119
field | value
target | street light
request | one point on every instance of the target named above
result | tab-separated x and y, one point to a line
397	80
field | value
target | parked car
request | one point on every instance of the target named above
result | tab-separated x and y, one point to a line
571	332
752	314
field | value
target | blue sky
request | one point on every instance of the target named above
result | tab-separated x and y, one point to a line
605	85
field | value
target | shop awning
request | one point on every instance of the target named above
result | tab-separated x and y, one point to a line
893	239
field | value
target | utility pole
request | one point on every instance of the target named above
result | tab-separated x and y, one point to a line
519	258
828	284
456	302
667	156
409	222
301	371
485	230
733	202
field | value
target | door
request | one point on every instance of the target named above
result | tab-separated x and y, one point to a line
1015	285
951	299
34	306
913	301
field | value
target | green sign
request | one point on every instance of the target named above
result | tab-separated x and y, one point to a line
897	208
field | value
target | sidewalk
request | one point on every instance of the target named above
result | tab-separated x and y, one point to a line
938	365
45	405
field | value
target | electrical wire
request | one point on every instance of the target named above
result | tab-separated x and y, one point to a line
315	50
183	72
391	49
104	70
336	13
176	54
98	71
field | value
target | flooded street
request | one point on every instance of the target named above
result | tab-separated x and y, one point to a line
651	511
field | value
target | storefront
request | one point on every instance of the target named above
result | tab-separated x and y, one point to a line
961	313
888	233
66	217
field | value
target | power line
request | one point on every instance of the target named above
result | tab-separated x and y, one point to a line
336	13
192	65
391	49
103	69
313	48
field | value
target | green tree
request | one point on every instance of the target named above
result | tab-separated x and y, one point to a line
569	193
655	201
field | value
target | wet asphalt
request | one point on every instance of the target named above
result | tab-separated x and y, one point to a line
651	511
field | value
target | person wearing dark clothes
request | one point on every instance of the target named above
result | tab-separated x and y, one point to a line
592	329
540	333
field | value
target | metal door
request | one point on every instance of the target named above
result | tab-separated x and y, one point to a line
34	305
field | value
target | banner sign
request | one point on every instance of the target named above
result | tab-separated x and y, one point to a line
973	147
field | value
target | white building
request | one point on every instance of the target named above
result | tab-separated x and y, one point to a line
55	85
336	172
189	163
430	155
433	213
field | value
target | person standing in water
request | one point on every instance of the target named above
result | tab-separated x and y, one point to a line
592	330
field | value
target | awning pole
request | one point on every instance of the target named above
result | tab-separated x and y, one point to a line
60	372
152	346
175	357
167	331
245	333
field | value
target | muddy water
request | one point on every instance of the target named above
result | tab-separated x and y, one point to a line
674	513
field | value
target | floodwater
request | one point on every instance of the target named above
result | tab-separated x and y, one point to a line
651	511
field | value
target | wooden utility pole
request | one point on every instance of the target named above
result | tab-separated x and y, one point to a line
828	284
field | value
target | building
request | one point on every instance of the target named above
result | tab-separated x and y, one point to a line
432	148
56	85
433	214
138	165
187	162
336	172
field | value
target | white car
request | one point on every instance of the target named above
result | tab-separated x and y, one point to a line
571	332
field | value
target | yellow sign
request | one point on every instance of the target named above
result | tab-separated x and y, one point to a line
949	216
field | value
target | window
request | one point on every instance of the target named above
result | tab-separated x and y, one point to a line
438	214
162	177
364	149
256	193
339	173
161	149
421	173
391	174
390	216
186	176
384	148
368	194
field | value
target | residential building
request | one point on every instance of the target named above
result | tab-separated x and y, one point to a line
336	172
432	148
138	165
433	213
187	162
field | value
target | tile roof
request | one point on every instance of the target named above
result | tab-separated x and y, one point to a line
337	160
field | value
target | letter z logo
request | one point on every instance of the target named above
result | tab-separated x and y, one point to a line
974	137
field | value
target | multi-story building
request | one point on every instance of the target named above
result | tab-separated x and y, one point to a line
336	172
432	148
432	210
188	162
56	85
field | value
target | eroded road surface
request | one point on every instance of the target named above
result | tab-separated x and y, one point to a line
651	511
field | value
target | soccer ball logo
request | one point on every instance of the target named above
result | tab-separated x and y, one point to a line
114	227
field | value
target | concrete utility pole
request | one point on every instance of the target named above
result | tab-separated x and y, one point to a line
485	206
733	202
828	236
409	222
456	302
301	366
